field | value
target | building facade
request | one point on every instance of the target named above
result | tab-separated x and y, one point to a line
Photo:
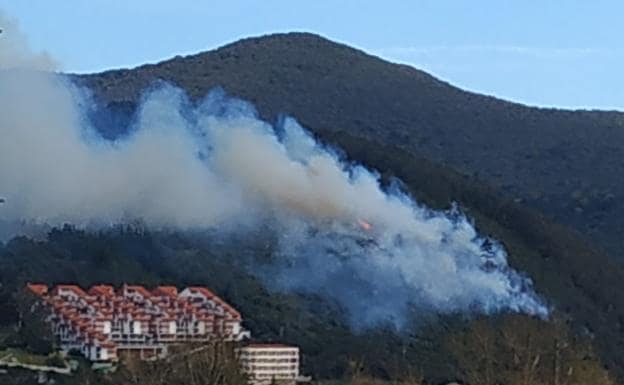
104	323
270	363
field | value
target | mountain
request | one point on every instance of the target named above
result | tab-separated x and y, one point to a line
563	163
541	181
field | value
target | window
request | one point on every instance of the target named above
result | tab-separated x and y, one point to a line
136	327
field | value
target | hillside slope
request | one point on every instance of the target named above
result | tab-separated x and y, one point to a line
565	163
446	145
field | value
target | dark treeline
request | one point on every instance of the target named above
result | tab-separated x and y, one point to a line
434	348
134	255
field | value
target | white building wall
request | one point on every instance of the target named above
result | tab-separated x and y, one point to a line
136	327
263	364
106	327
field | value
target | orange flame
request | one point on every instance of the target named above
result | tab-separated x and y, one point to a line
365	225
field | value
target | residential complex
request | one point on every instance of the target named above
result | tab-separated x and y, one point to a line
268	363
104	323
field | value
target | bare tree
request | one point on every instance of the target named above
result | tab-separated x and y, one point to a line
34	331
476	352
520	350
523	341
212	363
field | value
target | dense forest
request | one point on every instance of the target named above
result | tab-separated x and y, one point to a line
433	348
429	348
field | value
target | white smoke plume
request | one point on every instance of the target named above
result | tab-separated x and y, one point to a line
15	51
214	164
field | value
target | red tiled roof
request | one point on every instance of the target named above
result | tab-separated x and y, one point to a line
212	296
37	288
170	291
139	289
103	290
203	290
77	290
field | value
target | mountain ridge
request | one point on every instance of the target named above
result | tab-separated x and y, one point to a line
311	36
561	162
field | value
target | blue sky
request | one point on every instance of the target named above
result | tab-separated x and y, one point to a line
546	53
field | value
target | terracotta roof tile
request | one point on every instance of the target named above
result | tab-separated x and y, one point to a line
170	291
38	289
102	290
77	290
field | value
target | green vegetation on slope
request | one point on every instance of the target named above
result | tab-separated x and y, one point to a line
564	163
445	144
330	348
550	254
403	123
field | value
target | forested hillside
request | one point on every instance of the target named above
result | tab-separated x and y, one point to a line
526	175
580	291
539	181
433	348
564	163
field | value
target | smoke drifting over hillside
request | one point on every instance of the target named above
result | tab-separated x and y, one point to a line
215	165
15	51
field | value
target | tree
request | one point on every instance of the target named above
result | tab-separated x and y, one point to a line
34	333
213	363
521	350
476	352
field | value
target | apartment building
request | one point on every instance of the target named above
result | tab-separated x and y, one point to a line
268	363
104	323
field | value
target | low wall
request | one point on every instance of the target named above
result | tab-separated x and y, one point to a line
37	368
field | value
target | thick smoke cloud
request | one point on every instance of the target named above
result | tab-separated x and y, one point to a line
54	169
15	51
215	165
